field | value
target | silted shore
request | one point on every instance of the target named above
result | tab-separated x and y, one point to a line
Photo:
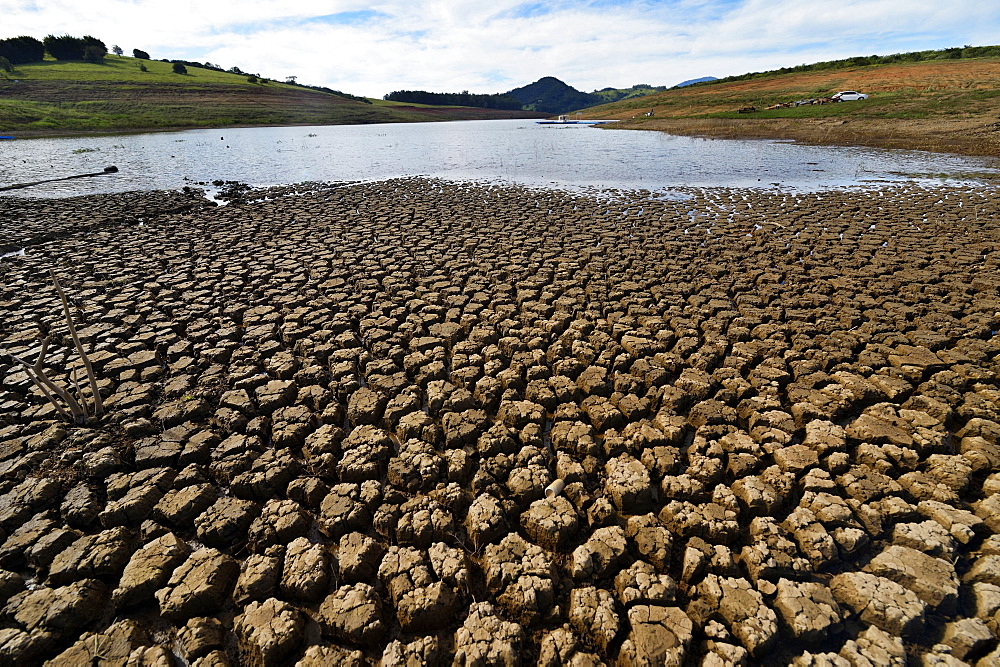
333	411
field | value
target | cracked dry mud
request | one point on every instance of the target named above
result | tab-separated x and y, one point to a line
333	411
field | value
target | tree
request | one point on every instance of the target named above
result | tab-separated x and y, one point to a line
138	53
5	65
22	50
117	50
291	79
64	47
180	69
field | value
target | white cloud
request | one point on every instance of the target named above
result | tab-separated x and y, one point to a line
492	46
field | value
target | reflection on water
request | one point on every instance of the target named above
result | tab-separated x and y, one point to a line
518	151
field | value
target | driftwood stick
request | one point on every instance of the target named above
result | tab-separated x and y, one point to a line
79	392
48	387
98	403
18	186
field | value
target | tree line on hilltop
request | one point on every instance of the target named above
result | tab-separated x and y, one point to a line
462	99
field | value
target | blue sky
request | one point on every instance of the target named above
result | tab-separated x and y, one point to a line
450	45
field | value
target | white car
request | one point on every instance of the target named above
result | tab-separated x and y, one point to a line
848	96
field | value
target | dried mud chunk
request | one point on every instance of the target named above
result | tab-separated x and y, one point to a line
199	637
352	614
17	645
771	554
80	506
427	608
423	520
418	467
932	579
306	573
269	476
463	428
421	651
365	453
358	557
179	507
742	606
114	644
651	539
962	524
365	406
274	395
659	637
269	632
575	437
592	612
824	437
561	647
25	500
640	584
225	522
258	579
522	576
602	413
629	485
551	522
808	610
485	521
875	647
865	485
321	656
149	569
711	521
881	602
605	550
528	483
346	508
13	553
927	536
280	522
486	639
967	637
102	556
198	587
61	611
812	537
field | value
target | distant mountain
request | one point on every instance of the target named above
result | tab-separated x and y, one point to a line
693	81
550	95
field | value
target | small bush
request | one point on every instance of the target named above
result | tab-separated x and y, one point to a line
143	68
94	54
251	79
180	69
5	65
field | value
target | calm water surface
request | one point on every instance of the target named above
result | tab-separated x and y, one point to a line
517	151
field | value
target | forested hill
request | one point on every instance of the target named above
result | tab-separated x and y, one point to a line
464	99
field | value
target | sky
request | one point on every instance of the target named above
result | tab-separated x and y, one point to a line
496	45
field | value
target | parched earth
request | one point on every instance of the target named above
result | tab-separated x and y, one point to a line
332	412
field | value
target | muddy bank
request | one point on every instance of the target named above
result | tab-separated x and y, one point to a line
959	136
333	414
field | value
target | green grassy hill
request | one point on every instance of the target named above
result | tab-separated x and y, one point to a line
54	97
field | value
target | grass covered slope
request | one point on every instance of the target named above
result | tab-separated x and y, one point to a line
55	97
944	105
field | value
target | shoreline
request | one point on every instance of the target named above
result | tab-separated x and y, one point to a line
960	137
333	411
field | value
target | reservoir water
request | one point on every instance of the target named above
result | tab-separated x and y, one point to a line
515	151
